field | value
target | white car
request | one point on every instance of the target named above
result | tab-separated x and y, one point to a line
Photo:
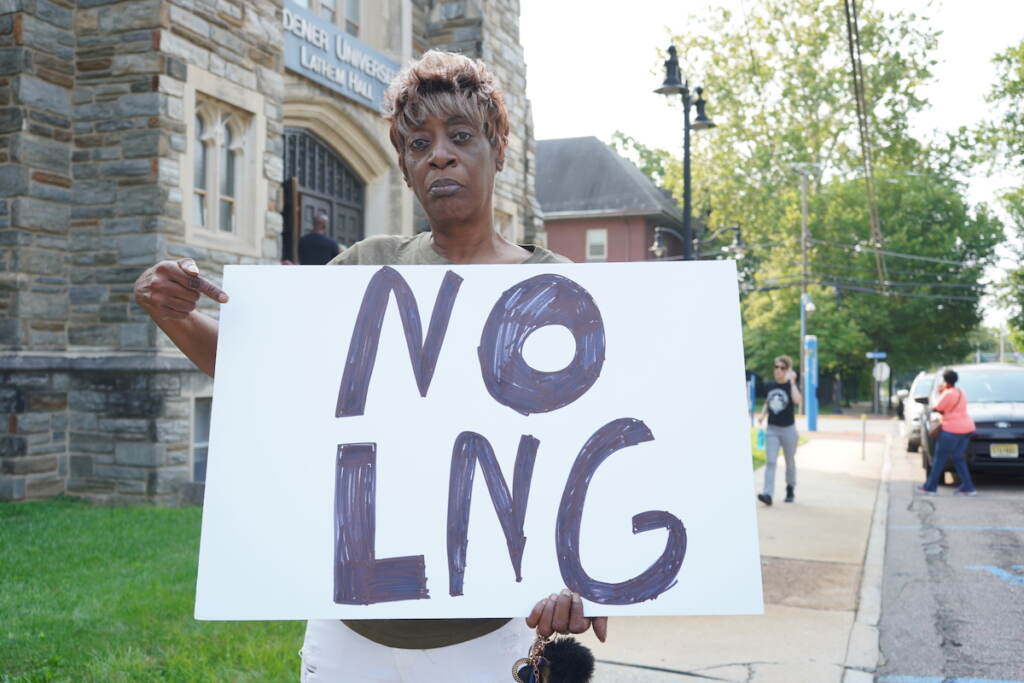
913	410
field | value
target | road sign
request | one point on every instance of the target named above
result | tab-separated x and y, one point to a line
880	372
877	355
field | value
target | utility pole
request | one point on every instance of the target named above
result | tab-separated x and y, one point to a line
803	287
804	169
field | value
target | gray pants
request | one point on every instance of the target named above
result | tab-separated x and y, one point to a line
773	438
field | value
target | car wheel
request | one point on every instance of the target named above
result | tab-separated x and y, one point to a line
913	445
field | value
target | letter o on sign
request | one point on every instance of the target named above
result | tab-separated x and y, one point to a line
542	300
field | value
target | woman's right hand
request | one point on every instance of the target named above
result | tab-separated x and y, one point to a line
170	289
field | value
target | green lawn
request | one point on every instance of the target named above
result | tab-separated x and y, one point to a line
92	593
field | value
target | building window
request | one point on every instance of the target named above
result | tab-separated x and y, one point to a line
200	174
352	17
219	133
222	175
329	10
201	410
597	244
227	179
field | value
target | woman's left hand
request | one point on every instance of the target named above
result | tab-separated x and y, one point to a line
563	613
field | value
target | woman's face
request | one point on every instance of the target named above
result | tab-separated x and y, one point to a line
780	370
450	166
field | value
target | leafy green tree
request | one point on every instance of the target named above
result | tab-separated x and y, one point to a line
778	84
1006	145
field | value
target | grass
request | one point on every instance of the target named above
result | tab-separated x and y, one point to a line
106	594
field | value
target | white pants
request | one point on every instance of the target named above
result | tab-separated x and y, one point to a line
334	653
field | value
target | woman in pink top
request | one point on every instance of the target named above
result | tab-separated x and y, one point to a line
955	434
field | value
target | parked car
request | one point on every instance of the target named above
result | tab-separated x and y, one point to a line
995	401
921	387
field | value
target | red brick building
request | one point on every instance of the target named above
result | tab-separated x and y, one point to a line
598	206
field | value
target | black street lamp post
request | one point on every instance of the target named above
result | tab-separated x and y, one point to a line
675	85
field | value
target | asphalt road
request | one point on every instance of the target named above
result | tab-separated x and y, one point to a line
953	587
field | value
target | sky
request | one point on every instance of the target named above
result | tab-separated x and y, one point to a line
592	68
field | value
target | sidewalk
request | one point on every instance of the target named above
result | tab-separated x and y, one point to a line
813	558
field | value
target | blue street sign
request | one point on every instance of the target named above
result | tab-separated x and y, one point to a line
877	355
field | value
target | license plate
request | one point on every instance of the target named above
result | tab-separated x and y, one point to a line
1004	450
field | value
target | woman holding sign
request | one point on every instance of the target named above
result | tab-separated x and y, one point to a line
450	128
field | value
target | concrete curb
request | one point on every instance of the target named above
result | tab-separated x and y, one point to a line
862	650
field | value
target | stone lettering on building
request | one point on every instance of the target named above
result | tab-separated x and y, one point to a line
326	54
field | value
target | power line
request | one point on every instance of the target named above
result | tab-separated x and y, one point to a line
831	280
857	72
914	257
906	295
868	290
866	271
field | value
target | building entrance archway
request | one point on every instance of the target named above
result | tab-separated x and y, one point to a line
319	182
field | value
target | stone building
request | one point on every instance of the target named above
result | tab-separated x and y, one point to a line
133	131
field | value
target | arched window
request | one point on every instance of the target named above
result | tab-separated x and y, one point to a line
218	166
227	180
199	174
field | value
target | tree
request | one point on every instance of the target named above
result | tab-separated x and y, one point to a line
1005	139
778	83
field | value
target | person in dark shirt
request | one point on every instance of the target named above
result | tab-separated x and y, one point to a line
316	248
780	397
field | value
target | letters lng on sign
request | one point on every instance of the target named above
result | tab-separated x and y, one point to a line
361	578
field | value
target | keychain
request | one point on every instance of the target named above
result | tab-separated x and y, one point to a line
530	669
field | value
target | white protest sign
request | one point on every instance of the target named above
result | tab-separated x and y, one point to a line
541	426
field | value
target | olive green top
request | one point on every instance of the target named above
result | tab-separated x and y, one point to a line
417	250
420	634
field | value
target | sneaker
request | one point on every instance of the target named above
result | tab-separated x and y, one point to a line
764	498
925	492
789	494
961	492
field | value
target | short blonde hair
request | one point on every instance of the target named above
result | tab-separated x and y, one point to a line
785	360
445	84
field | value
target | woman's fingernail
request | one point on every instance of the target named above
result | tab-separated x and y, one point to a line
566	591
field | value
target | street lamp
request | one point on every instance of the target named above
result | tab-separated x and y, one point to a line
736	247
674	85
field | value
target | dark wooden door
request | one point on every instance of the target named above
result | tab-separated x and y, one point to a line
324	182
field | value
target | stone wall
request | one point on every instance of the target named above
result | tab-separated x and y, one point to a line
92	140
36	78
